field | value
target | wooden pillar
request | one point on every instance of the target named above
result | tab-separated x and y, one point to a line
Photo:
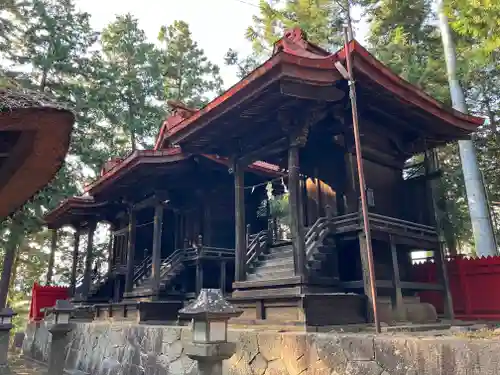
111	255
156	257
129	281
366	276
117	288
87	275
222	281
398	305
320	198
239	203
352	194
442	273
296	229
74	263
207	224
53	246
304	201
199	275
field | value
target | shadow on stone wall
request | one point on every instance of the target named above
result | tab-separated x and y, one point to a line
131	349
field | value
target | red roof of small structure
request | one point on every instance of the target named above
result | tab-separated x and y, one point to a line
167	155
85	203
294	50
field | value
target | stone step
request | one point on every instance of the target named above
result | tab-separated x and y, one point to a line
274	254
276	275
274	267
274	261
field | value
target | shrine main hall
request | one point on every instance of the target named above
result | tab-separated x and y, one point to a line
257	194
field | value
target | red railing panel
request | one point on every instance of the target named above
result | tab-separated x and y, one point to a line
45	296
474	285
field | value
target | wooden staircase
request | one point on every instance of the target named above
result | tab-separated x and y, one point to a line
274	264
270	263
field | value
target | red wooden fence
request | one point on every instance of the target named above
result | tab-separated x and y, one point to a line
45	296
474	284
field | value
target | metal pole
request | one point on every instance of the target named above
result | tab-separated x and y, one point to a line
361	178
478	208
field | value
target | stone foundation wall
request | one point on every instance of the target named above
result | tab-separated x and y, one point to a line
131	349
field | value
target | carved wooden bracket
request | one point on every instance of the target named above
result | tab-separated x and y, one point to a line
297	126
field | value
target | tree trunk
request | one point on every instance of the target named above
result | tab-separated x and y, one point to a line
8	262
15	265
482	229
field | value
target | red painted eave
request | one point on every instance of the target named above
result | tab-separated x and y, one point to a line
69	204
366	62
260	71
130	161
363	61
256	167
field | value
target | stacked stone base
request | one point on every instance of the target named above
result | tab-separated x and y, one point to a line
128	349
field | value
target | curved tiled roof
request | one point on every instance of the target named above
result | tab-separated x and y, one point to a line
293	50
41	129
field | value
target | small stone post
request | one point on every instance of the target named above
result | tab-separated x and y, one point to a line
6	316
210	313
59	327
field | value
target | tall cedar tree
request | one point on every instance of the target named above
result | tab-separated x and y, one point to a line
130	82
188	75
46	51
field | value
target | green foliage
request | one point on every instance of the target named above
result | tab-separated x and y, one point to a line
478	20
188	75
129	78
321	20
115	81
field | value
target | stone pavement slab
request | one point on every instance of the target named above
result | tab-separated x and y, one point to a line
18	366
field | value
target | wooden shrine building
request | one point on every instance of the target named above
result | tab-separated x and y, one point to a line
294	111
290	118
169	212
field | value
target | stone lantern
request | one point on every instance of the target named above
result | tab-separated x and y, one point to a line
60	313
210	314
58	321
6	316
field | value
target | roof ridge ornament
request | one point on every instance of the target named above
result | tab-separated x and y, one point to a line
295	42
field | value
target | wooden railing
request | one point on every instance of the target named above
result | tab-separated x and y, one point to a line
353	221
316	234
141	269
257	244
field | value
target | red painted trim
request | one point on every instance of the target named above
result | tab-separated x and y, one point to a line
258	166
69	204
363	61
133	159
385	77
260	71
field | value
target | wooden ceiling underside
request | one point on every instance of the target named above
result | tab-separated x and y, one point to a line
33	144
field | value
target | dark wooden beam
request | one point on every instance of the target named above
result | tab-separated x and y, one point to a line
240	226
199	275
222	281
157	197
442	273
74	262
398	305
89	257
156	257
264	151
301	90
129	282
294	200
